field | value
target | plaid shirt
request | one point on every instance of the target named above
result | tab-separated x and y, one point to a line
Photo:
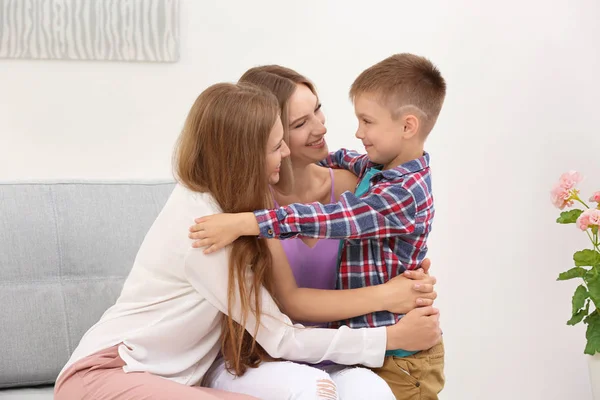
385	230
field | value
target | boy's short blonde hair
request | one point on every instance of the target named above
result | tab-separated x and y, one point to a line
404	81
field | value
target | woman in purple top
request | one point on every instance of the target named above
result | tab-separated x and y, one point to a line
313	262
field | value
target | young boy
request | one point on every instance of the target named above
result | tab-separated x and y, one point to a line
385	223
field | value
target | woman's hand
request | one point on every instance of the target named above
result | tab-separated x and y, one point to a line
417	330
219	230
403	293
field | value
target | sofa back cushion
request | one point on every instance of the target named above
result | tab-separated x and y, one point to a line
65	250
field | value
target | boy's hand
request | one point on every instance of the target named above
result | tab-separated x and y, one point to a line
402	294
217	231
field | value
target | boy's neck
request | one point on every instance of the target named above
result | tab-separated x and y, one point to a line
405	156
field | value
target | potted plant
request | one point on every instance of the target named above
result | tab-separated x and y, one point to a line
586	299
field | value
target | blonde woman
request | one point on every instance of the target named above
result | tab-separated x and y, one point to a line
313	262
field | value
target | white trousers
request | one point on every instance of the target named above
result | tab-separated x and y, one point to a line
286	380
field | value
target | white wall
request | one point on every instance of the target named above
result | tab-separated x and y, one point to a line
522	108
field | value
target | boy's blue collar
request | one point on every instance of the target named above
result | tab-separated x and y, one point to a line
409	167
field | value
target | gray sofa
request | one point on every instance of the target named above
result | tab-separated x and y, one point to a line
65	250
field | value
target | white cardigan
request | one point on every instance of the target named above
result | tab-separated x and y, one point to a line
168	314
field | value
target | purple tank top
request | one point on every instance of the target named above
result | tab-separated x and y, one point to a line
313	267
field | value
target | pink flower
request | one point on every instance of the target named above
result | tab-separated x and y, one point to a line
588	218
561	197
563	191
570	179
595	197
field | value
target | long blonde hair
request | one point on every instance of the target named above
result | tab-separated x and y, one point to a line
222	150
280	81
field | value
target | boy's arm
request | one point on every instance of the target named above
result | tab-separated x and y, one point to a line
346	159
388	210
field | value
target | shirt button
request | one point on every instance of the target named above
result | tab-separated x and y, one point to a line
270	232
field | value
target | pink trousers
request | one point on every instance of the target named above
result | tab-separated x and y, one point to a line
101	377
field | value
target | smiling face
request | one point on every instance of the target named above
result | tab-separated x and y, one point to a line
277	150
306	126
389	139
381	135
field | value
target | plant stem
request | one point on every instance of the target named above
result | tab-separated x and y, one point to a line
592	239
576	198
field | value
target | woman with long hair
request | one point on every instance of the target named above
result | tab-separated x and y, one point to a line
179	307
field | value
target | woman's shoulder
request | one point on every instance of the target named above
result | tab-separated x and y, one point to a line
343	181
184	200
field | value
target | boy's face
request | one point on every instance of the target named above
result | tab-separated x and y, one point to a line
381	135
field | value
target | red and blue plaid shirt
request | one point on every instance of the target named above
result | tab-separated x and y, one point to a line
384	231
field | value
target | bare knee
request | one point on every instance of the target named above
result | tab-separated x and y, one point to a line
326	390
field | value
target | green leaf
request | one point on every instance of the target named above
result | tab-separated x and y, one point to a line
569	217
592	333
576	272
586	258
592	279
579	298
577	317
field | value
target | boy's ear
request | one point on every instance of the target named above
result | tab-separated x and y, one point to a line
411	125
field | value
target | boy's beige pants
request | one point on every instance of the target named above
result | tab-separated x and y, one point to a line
416	377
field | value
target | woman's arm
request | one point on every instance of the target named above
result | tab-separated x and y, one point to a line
316	305
208	274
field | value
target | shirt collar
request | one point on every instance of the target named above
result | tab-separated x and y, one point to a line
409	167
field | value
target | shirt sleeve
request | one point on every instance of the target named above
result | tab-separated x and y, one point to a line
277	334
388	210
346	159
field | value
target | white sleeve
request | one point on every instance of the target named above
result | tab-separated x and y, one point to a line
208	274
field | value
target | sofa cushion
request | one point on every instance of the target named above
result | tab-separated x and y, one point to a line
65	250
40	393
